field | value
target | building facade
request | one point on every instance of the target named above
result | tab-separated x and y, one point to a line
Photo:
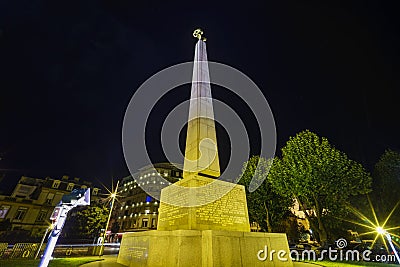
136	210
32	202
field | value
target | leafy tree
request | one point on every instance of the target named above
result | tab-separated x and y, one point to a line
92	219
386	186
382	205
320	177
265	206
87	221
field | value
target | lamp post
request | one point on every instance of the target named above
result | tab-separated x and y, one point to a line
113	196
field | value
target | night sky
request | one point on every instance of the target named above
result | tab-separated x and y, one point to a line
69	69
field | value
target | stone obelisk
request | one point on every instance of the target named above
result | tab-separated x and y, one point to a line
202	221
201	152
200	201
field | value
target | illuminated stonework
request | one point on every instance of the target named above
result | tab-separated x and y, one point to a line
227	212
189	204
203	221
201	152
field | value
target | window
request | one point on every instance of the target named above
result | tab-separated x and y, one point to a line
3	211
56	183
42	215
70	186
145	222
49	198
153	223
20	214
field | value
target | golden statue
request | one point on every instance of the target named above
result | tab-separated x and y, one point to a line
198	34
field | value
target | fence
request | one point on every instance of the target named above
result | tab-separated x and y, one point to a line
28	250
3	248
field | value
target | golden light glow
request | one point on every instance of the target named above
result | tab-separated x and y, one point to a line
380	230
373	225
111	197
112	193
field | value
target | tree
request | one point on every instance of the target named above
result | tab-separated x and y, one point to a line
320	177
265	206
386	186
87	221
92	219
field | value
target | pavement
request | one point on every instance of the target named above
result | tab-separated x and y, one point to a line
111	261
303	264
108	261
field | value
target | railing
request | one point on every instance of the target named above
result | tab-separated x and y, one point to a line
28	250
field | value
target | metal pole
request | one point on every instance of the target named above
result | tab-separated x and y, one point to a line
108	220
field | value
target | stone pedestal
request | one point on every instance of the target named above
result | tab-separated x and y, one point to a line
207	248
207	227
201	203
203	222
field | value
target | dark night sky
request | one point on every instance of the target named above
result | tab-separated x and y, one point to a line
69	69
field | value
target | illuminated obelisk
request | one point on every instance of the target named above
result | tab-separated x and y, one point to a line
200	201
202	221
201	153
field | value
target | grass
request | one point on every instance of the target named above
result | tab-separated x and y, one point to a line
60	262
352	264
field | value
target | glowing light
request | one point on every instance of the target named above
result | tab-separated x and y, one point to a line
374	226
380	230
112	196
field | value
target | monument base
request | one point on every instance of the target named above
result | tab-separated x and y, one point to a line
206	248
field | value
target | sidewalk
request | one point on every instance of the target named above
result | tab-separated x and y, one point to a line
303	264
109	261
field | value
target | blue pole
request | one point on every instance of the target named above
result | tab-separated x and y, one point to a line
78	197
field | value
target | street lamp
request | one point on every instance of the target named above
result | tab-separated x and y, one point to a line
380	230
112	196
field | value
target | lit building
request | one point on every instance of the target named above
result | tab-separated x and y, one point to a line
136	210
33	200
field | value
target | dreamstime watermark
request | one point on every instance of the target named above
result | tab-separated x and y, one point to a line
152	90
339	254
